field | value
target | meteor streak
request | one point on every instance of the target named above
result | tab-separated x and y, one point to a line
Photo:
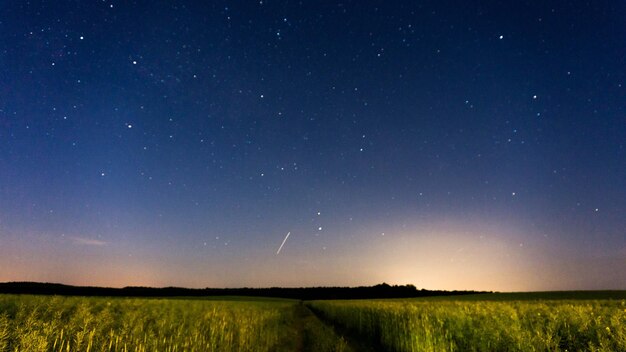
282	244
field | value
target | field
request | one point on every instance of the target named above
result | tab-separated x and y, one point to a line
492	323
470	323
45	323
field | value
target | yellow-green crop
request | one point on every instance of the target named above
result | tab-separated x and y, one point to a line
46	323
414	325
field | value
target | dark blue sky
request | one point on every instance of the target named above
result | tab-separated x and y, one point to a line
450	145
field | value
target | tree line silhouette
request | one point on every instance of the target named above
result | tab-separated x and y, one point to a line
303	293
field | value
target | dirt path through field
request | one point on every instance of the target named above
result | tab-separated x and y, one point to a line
316	336
352	342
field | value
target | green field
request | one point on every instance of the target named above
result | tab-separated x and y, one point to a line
500	322
495	322
52	323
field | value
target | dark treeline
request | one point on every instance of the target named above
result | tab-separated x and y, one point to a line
303	293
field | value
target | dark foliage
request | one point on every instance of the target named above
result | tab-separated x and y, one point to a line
303	293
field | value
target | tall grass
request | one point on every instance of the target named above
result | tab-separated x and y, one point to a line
64	324
483	326
39	323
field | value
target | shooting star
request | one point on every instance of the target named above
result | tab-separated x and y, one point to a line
282	244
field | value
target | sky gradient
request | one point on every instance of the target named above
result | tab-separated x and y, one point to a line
474	145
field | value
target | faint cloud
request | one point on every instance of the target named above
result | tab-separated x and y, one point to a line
87	241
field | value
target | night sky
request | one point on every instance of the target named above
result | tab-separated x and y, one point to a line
445	144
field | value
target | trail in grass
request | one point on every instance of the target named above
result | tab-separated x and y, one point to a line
314	335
